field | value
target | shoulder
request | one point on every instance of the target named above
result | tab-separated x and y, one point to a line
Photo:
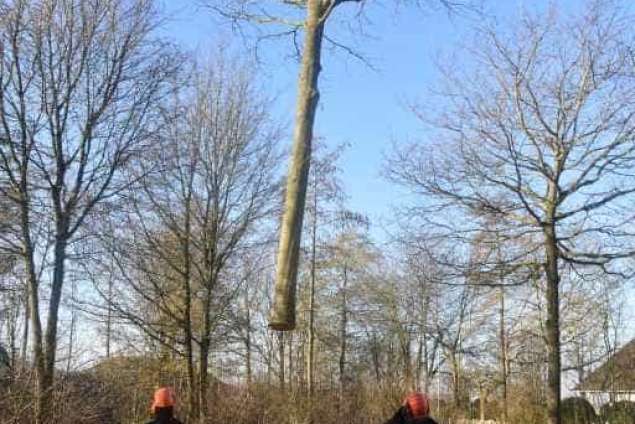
398	418
425	420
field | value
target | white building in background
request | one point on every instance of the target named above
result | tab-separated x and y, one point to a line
613	381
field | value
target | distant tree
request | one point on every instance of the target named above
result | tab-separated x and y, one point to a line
207	191
539	137
80	84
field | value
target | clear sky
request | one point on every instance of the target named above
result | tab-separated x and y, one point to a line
361	106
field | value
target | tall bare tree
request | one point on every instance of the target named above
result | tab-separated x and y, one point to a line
80	80
540	138
325	194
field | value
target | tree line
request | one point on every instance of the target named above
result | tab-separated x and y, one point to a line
142	195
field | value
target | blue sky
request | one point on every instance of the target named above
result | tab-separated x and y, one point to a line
361	106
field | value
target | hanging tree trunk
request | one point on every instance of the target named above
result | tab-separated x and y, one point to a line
283	312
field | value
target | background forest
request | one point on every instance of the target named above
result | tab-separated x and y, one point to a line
142	194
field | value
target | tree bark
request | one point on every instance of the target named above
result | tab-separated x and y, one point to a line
553	324
33	307
248	341
71	337
290	362
283	311
189	338
343	334
204	353
109	316
203	383
281	375
24	349
50	347
482	395
456	379
419	367
503	347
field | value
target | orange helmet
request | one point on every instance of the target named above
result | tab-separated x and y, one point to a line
163	398
418	403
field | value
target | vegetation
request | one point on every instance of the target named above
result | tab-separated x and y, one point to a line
143	201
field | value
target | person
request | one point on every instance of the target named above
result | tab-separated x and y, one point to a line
414	410
163	407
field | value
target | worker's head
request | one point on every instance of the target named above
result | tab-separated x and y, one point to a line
418	404
164	399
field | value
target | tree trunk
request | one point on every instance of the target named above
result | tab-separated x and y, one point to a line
281	357
419	367
24	349
33	308
426	354
248	342
553	324
283	312
343	334
203	383
71	337
203	386
50	348
482	396
13	316
428	365
109	316
503	347
290	361
269	359
376	357
456	380
187	282
311	359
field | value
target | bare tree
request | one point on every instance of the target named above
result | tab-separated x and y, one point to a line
193	216
539	137
79	83
325	193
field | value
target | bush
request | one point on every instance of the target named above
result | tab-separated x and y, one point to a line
618	413
576	410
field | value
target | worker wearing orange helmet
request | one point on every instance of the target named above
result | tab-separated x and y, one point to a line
163	405
414	410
